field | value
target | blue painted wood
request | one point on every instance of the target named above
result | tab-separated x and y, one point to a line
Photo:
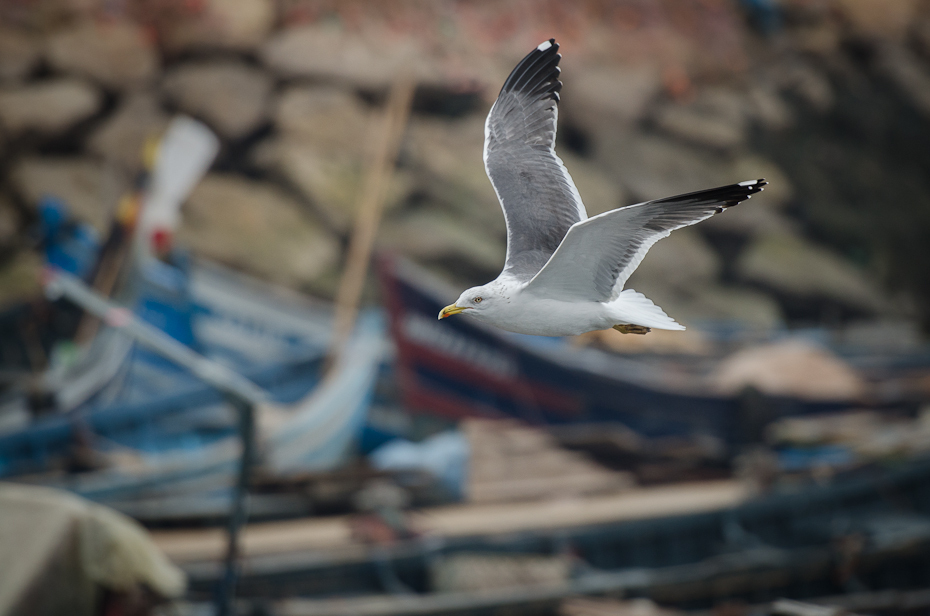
157	411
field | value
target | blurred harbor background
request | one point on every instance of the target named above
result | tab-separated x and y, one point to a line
188	179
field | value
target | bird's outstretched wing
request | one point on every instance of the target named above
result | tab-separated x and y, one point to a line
539	199
598	255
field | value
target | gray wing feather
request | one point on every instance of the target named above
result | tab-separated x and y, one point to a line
598	255
539	199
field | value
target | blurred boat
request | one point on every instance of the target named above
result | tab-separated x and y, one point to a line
29	329
245	324
118	420
176	460
155	431
460	368
142	225
688	546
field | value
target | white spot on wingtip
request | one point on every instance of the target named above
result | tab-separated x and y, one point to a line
544	46
749	183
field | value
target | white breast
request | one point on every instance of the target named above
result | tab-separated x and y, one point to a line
527	314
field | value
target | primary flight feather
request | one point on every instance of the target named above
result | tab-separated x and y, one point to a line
564	272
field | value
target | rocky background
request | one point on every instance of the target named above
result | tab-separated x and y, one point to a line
827	99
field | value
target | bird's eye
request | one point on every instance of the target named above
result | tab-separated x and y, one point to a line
477	300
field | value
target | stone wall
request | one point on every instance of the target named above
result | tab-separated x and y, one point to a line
829	101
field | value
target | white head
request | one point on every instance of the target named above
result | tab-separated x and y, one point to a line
476	301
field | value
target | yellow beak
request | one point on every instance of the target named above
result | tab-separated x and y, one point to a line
448	311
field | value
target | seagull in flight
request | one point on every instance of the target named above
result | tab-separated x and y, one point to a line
564	273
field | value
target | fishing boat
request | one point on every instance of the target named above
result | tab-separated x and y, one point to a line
159	432
254	328
68	356
684	545
174	459
460	367
147	418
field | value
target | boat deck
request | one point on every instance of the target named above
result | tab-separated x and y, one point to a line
333	535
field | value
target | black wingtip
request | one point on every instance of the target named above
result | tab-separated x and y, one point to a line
722	197
537	73
737	193
753	186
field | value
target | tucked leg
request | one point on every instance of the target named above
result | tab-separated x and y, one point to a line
632	329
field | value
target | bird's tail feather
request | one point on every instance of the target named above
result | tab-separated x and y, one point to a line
635	308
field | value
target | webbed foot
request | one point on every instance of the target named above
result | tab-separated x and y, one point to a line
633	329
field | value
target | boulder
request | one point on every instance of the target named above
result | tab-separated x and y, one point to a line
805	81
594	95
763	213
239	25
19	54
599	191
122	136
117	55
877	19
230	96
451	155
368	60
699	127
684	260
794	368
789	265
434	235
79	182
712	303
779	191
256	227
652	167
9	222
922	35
331	181
766	107
20	278
447	156
821	39
715	118
328	118
750	219
323	147
48	107
729	304
908	73
43	14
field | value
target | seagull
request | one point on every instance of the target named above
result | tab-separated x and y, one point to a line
564	273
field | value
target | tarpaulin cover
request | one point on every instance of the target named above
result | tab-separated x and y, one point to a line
58	551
